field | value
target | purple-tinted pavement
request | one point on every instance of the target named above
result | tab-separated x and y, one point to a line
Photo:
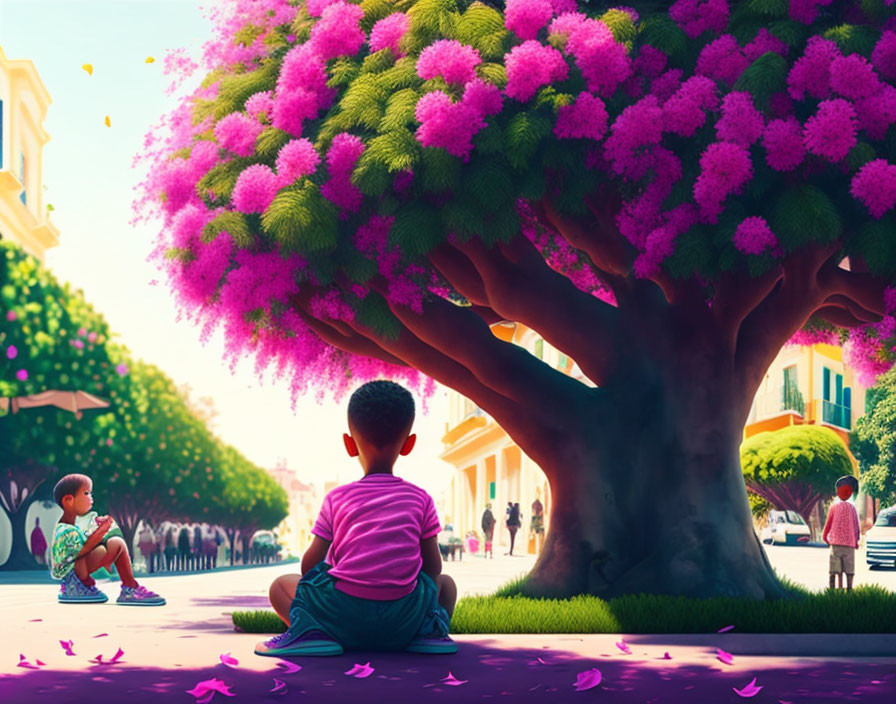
168	650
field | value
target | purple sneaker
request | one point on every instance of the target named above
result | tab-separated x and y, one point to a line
435	644
309	643
139	596
74	591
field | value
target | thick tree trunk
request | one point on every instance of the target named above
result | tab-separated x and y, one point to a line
20	557
648	493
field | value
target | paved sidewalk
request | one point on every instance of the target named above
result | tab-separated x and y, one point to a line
168	650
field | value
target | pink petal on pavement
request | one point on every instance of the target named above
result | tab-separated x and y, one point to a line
117	656
666	656
587	679
35	620
751	690
726	658
67	646
38	662
290	667
101	635
279	687
213	685
228	660
623	646
98	660
725	629
23	662
360	671
206	698
452	680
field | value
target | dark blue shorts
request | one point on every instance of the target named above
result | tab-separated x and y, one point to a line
366	624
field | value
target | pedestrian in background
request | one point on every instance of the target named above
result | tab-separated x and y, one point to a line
488	530
514	521
841	532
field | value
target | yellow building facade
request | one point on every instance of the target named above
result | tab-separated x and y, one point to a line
294	531
24	101
808	384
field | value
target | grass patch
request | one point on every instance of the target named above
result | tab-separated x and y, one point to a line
868	609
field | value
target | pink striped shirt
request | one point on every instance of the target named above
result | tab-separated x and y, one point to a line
842	525
375	526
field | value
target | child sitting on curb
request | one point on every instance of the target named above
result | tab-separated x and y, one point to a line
841	532
382	588
76	556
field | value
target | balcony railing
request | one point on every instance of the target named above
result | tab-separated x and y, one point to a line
773	403
832	413
792	399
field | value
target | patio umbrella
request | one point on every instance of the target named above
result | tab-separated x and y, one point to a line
74	401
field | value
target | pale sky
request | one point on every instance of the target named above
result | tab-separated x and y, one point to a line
89	180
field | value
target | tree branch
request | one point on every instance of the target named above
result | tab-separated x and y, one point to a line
836	315
864	289
521	287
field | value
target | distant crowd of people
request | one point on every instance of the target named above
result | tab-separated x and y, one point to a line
180	547
451	545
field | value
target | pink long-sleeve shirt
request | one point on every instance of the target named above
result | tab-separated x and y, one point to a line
842	525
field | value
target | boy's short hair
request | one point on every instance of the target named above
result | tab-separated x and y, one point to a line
69	484
381	411
849	481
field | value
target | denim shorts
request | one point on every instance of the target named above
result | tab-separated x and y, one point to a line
366	624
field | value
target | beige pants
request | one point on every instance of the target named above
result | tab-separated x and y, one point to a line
843	559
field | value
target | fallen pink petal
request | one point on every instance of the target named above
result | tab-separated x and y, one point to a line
588	679
360	671
101	635
35	620
279	687
228	660
623	646
117	656
751	690
67	646
726	658
206	698
40	662
289	667
725	629
666	656
452	680
210	687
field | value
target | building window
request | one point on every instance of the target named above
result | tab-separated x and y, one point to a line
24	196
793	399
491	490
539	348
563	363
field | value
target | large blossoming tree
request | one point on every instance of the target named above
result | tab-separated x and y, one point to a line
666	193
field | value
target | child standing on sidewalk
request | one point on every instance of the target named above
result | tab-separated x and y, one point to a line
841	532
76	555
382	587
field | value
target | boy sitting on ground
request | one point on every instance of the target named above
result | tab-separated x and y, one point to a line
76	556
382	588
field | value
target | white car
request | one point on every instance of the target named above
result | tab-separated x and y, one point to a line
881	539
785	528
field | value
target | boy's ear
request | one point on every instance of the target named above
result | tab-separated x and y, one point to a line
350	445
408	445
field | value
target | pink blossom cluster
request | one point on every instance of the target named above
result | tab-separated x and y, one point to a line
831	131
722	60
884	55
231	17
255	188
685	110
814	336
783	142
387	33
344	152
666	84
603	62
330	305
525	17
763	43
316	8
853	77
448	58
452	125
296	158
659	244
875	186
633	133
258	279
724	170
877	112
301	91
260	103
811	73
237	133
741	122
530	66
651	62
586	118
696	16
178	64
337	32
754	236
197	282
806	11
867	353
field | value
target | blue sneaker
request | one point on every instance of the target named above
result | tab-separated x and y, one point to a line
309	643
74	591
139	596
435	644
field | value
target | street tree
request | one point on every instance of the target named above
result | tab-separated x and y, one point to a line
794	468
873	441
665	193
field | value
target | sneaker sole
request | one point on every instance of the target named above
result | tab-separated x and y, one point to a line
432	649
85	600
141	603
306	648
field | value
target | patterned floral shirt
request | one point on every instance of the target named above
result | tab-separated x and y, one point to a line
68	540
